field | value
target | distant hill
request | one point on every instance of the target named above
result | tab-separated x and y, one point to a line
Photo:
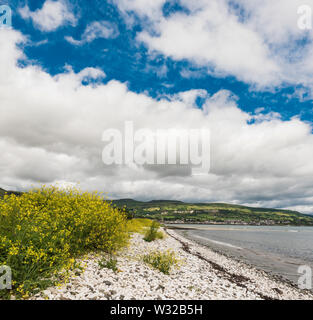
3	192
216	213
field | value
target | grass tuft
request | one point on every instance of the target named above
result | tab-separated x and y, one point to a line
110	263
152	233
163	261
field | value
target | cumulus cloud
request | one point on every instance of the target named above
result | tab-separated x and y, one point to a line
51	16
95	30
215	38
258	42
51	130
276	20
85	75
143	8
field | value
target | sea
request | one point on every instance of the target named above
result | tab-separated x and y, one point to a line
278	250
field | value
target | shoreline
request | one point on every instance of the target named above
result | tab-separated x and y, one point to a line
278	266
202	275
275	278
172	225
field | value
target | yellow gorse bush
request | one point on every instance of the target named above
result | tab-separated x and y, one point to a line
44	230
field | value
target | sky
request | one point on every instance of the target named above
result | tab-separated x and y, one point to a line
70	69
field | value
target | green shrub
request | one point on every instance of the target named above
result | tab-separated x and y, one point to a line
152	233
163	261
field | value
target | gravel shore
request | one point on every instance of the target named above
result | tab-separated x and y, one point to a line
202	275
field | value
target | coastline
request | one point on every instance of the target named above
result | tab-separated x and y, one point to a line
254	278
202	275
274	261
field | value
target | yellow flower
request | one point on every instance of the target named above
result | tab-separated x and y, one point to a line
54	226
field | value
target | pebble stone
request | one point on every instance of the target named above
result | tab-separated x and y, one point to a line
195	279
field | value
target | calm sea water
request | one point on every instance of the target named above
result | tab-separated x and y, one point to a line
278	250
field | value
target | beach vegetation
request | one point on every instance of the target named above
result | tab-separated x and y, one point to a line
161	260
109	263
138	225
152	233
43	231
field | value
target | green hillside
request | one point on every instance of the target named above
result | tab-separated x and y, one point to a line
219	213
3	192
215	213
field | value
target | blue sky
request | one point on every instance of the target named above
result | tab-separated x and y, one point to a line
125	59
70	69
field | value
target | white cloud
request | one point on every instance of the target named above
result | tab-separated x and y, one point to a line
143	8
275	20
84	75
214	38
51	16
51	129
291	48
257	42
95	30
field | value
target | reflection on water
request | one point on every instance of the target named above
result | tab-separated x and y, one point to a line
279	250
